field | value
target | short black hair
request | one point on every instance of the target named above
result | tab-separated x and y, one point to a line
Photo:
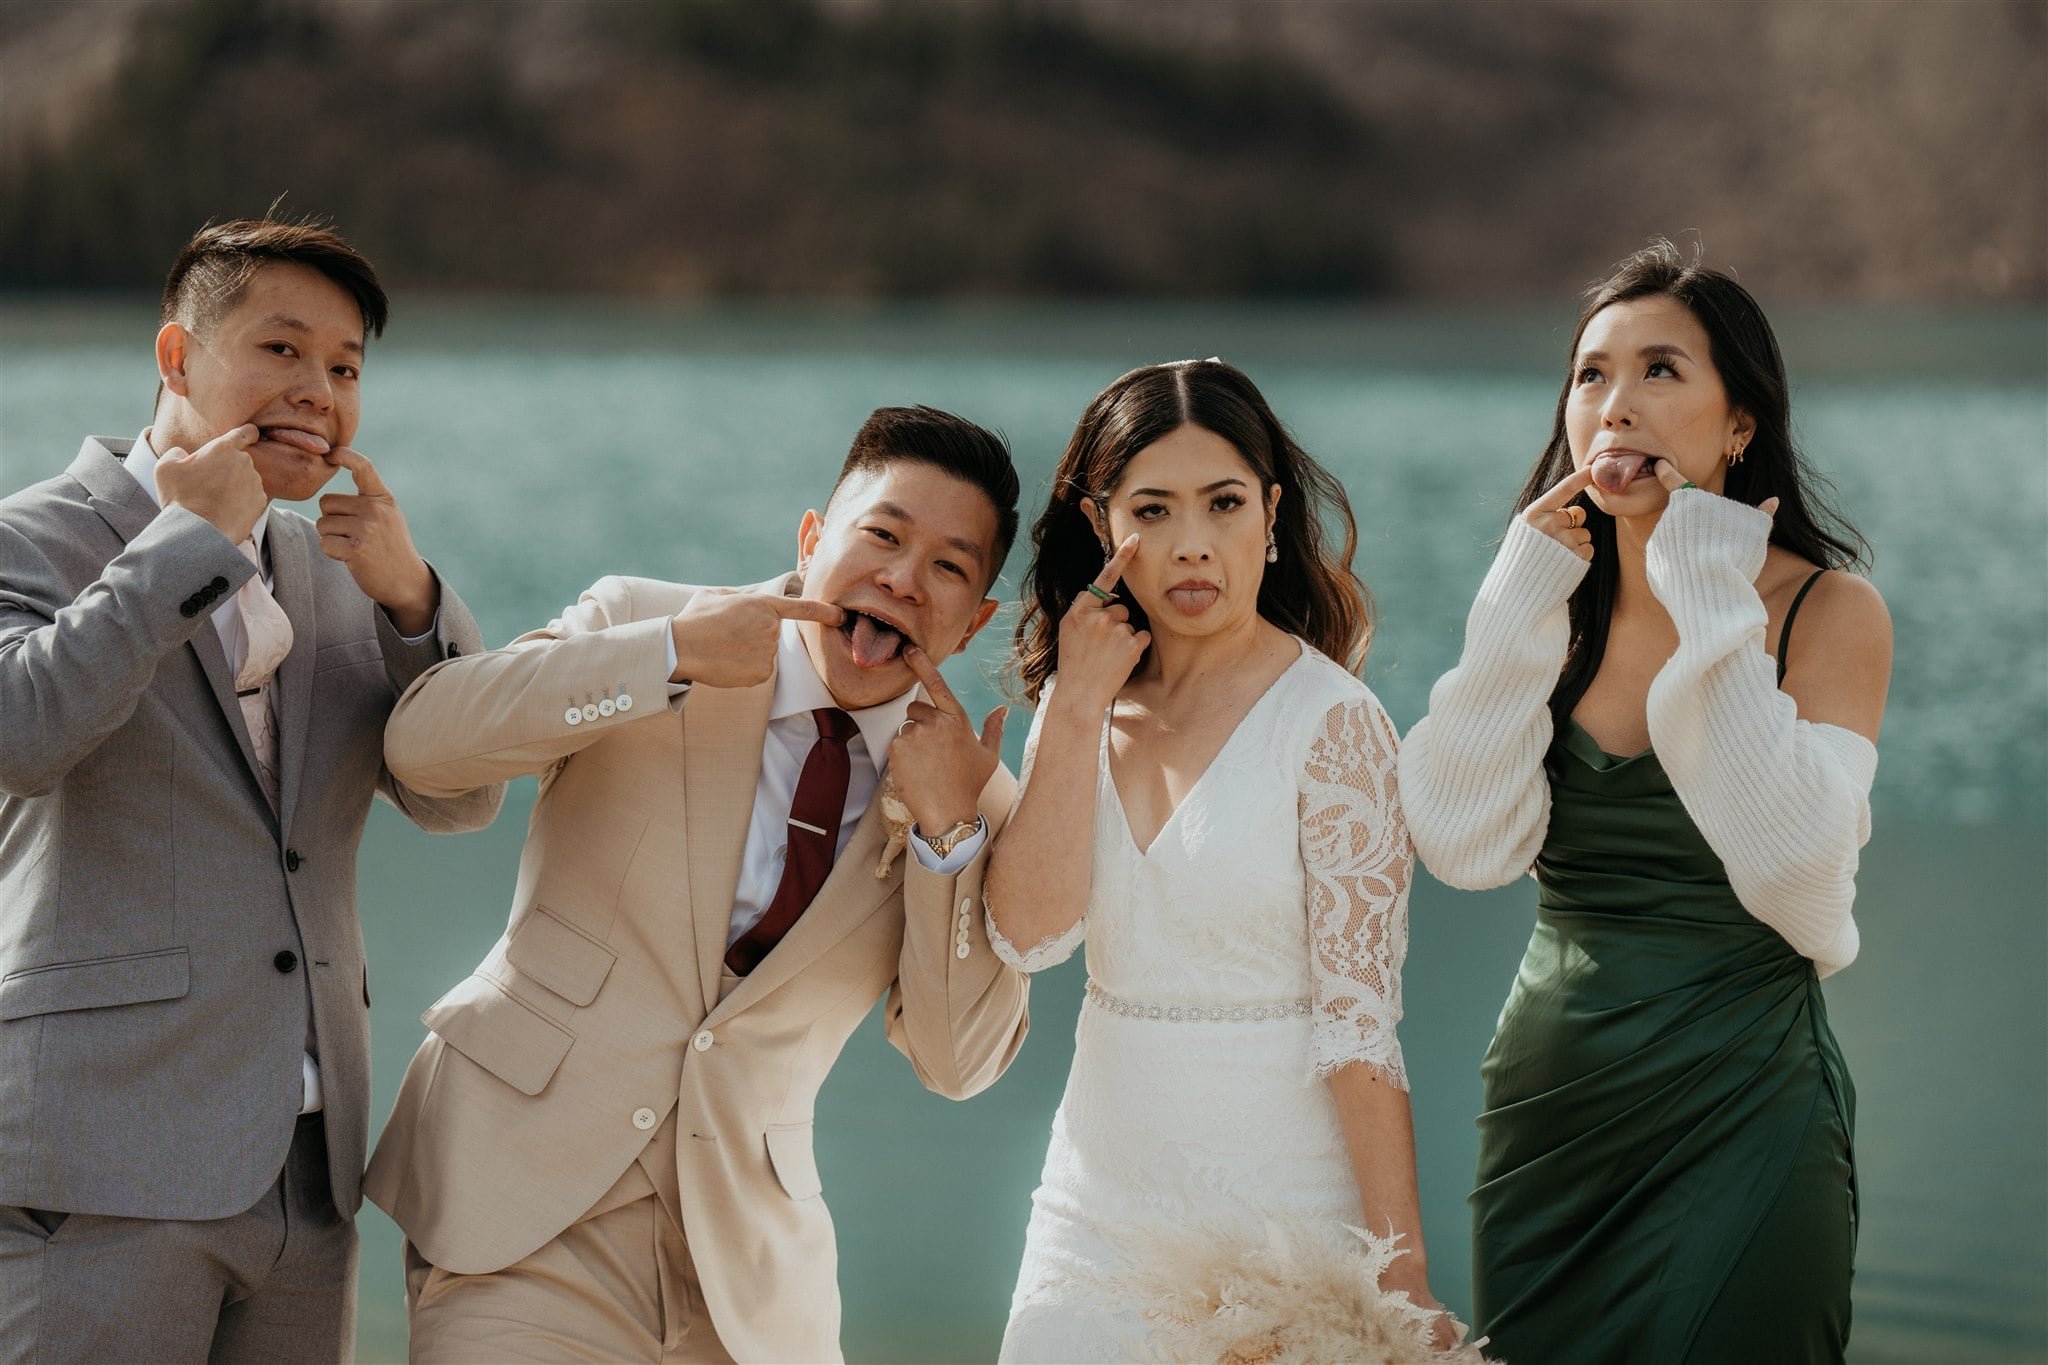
213	271
925	435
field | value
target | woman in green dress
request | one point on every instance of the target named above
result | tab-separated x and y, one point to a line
1665	1170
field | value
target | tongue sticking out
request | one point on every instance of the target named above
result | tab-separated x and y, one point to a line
874	644
300	440
1614	473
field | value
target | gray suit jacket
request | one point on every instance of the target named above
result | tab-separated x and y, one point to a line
163	930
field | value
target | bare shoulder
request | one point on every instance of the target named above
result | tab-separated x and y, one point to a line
1839	656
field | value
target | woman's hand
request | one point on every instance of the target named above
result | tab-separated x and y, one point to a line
1098	647
1673	481
1563	524
1411	1277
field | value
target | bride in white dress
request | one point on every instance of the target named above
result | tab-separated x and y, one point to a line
1209	799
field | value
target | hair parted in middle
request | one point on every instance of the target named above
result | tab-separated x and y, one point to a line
1309	590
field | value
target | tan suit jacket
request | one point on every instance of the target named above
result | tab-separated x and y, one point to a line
547	1070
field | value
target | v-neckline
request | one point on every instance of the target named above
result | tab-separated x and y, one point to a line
1580	740
1109	761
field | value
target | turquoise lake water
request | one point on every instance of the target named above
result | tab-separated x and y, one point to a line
536	446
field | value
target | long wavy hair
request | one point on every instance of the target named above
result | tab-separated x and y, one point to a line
1311	590
1744	352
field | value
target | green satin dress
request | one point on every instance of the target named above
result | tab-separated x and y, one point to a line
1665	1174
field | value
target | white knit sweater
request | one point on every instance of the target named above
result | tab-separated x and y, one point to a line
1784	802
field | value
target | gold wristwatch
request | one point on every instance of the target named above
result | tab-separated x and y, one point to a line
943	845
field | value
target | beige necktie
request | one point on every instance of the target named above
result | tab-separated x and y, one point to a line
267	632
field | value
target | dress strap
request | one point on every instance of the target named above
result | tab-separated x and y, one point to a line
1785	631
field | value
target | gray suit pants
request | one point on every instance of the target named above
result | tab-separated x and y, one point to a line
274	1282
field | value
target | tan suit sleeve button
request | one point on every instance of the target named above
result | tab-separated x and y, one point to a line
961	951
606	707
702	1042
590	710
573	716
643	1119
624	703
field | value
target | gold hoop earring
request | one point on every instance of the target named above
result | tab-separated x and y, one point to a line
1735	455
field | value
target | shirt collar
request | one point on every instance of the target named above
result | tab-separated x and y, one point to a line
798	688
141	462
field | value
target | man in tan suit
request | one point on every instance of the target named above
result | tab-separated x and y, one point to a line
603	1150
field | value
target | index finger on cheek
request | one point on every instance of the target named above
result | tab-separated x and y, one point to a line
1113	571
928	673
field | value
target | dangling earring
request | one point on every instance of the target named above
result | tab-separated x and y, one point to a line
1735	455
1272	547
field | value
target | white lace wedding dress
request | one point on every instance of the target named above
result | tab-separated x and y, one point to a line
1252	950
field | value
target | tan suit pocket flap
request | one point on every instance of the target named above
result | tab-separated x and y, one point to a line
96	984
796	1165
560	956
500	1033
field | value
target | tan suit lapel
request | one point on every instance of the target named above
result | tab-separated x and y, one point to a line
850	894
723	731
291	583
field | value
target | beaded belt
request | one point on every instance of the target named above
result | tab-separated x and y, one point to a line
1203	1014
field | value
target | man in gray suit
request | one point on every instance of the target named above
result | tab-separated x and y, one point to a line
193	689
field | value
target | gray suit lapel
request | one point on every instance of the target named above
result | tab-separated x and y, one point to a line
110	489
120	501
291	583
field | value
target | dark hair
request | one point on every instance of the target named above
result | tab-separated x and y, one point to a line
924	435
213	271
1744	353
1310	590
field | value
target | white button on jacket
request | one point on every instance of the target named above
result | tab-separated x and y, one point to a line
702	1042
643	1118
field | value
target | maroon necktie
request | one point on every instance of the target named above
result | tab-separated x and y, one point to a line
813	839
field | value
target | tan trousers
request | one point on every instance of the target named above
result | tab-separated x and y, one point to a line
617	1284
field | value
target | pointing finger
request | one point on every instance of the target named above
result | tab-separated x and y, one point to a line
935	686
1564	490
992	729
1668	475
368	482
806	609
1118	562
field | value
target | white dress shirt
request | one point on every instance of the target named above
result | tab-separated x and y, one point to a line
792	730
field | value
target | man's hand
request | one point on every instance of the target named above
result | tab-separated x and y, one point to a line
728	639
939	762
365	531
218	482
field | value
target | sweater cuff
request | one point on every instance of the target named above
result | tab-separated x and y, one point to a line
1532	575
1701	539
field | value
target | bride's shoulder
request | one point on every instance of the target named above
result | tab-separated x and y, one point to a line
1326	696
1318	676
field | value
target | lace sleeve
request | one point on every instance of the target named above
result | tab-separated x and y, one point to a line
1359	862
1057	949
